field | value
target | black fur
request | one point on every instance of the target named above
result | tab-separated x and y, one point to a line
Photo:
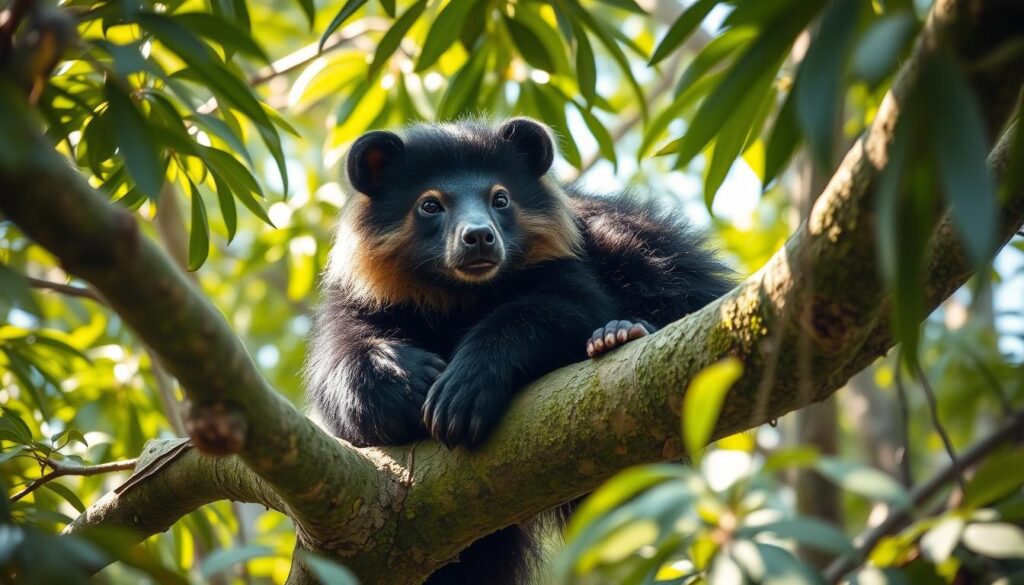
393	370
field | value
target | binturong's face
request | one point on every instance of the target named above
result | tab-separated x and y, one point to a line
457	205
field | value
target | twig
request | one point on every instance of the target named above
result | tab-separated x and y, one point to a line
921	494
934	410
67	289
63	470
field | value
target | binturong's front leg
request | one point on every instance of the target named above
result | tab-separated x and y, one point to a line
517	343
365	386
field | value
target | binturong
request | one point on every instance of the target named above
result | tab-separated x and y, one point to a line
461	271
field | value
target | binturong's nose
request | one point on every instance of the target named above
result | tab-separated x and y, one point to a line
478	236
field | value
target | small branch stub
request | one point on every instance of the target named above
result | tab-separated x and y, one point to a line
217	428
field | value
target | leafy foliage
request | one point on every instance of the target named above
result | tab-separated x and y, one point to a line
230	102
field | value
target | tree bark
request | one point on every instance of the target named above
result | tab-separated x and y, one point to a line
394	515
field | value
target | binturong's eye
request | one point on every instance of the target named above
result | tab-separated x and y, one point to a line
500	199
431	206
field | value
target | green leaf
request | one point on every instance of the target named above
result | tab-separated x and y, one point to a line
463	88
681	29
443	32
703	401
14	287
999	476
222	130
226	85
770	564
389	43
608	40
659	124
784	139
810	532
619	489
605	143
995	540
227	206
339	19
792	457
764	54
530	46
879	50
11	422
551	105
199	234
134	142
329	571
65	493
232	171
863	480
225	33
586	66
717	50
309	10
732	138
821	80
960	148
7	455
224	558
905	220
389	7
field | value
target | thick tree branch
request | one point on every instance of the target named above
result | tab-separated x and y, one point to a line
233	407
182	485
394	515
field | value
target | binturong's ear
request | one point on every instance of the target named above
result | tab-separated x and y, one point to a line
531	139
369	159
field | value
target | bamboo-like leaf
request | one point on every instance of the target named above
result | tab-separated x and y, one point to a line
134	141
339	19
960	148
199	233
389	43
228	210
682	28
443	32
879	50
586	66
463	87
702	403
309	11
225	33
529	45
733	136
764	54
821	81
785	137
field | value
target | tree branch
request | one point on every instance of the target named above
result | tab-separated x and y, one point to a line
65	289
182	485
233	407
923	493
59	470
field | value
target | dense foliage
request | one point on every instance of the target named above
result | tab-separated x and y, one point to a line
221	123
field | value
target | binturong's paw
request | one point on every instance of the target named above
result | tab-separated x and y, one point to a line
616	333
416	372
464	405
